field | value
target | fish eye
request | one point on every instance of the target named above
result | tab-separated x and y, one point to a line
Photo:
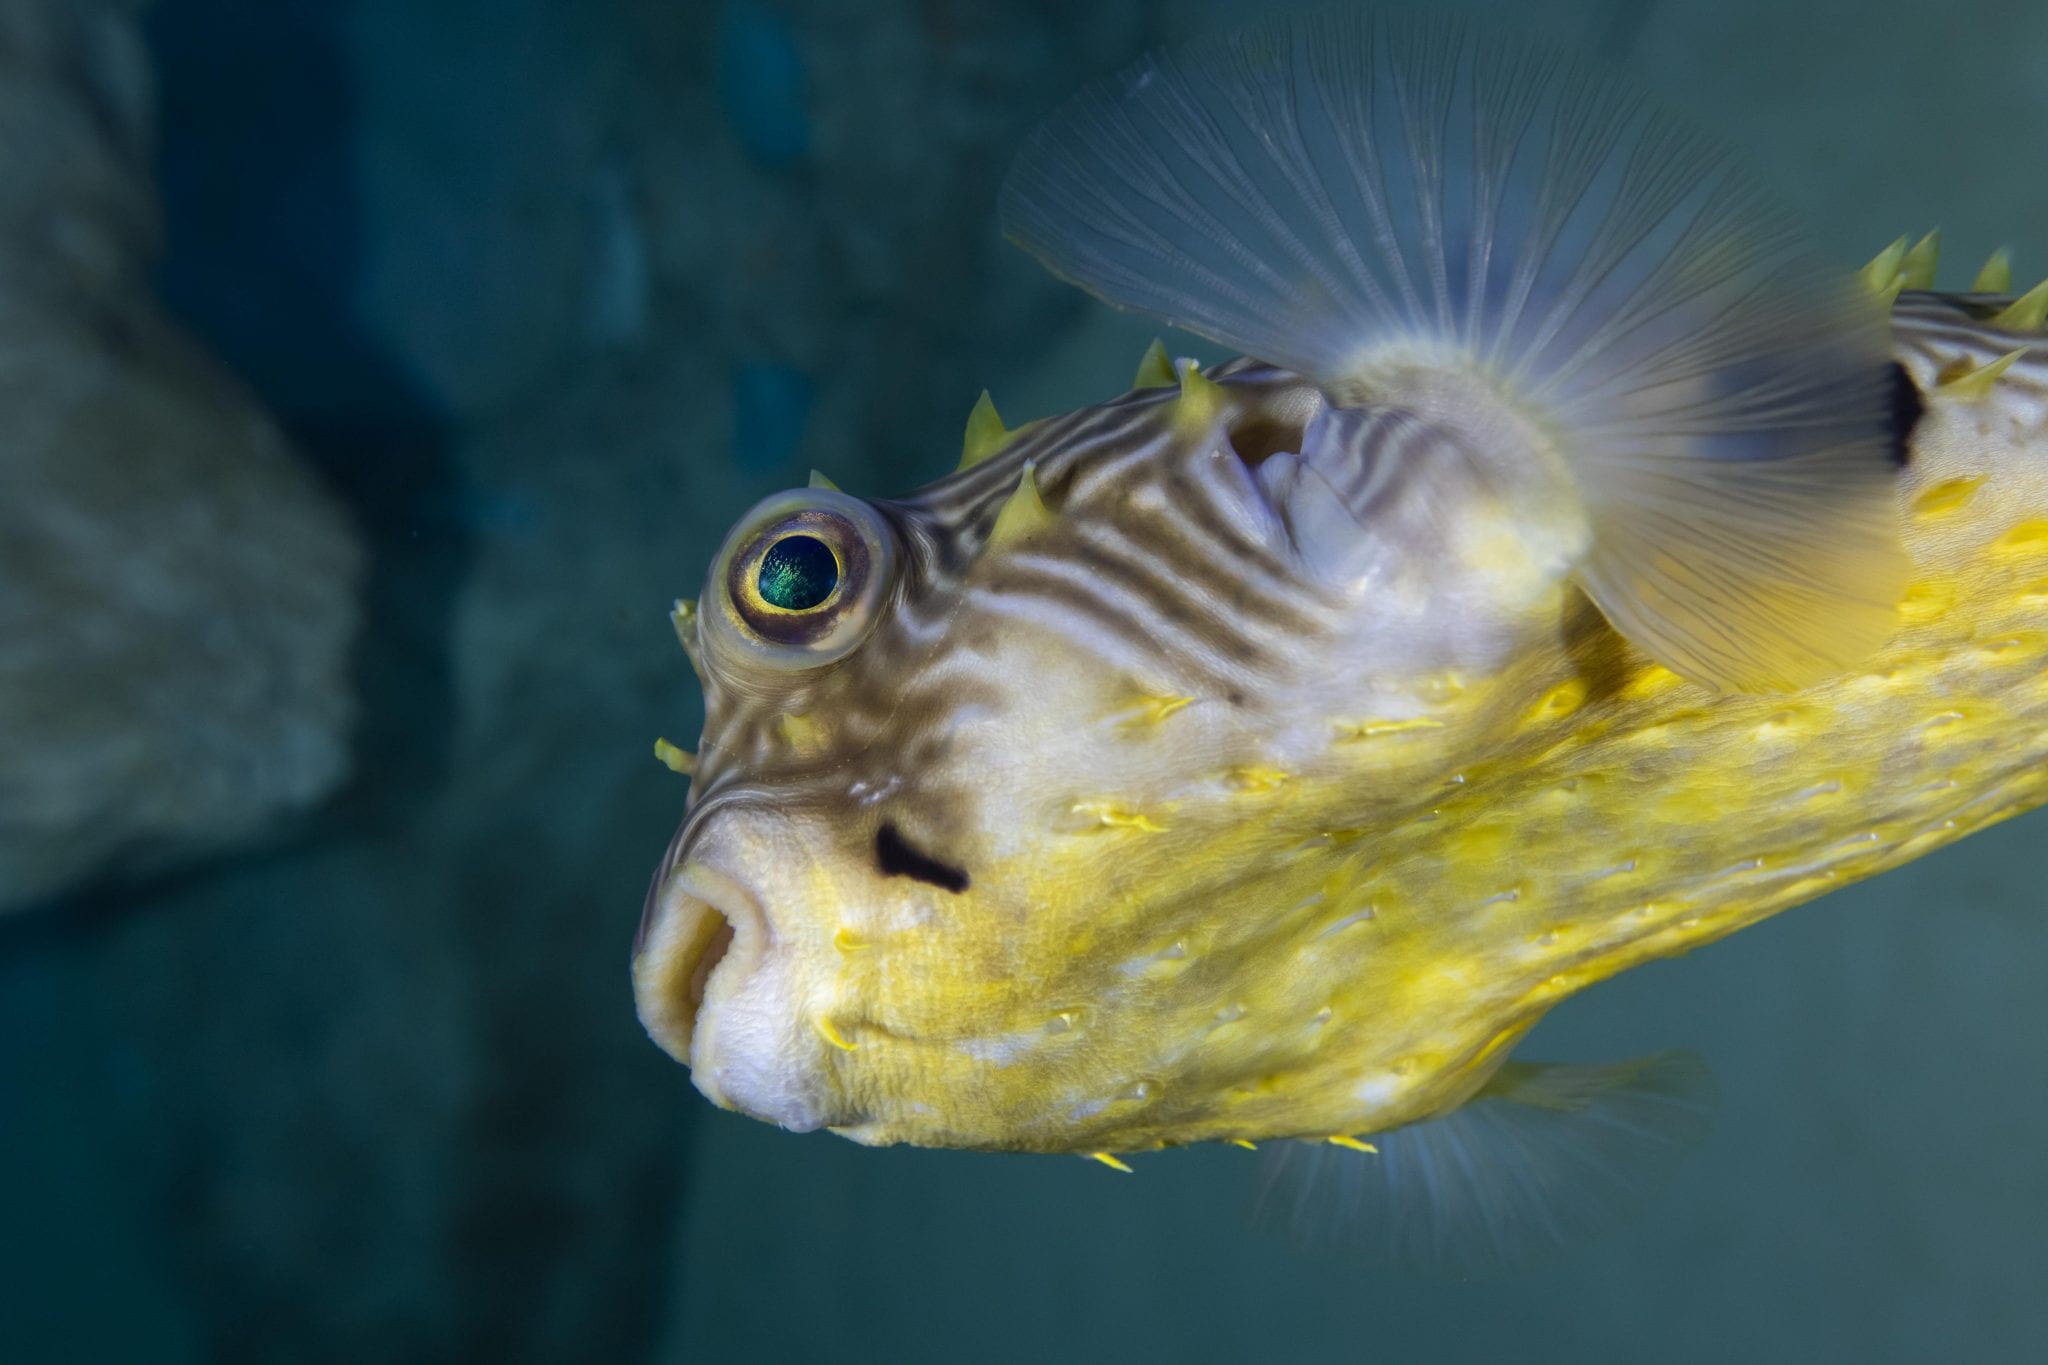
799	581
799	573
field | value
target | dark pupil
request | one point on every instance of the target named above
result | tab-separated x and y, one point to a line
798	573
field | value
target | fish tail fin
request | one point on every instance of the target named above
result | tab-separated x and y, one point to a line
1363	200
1544	1158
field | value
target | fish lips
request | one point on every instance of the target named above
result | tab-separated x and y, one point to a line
720	991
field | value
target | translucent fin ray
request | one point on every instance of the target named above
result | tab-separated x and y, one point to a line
1354	197
1543	1159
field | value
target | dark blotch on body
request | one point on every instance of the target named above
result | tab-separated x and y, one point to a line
897	857
1906	410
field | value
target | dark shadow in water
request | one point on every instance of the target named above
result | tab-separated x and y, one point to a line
264	256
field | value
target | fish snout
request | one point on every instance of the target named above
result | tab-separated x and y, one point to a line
719	991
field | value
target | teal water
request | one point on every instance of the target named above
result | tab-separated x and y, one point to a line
549	293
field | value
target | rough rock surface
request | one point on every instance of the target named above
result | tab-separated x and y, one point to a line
176	588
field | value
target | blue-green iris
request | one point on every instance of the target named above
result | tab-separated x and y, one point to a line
798	573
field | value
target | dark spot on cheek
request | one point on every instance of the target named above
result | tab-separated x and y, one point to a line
897	857
1906	411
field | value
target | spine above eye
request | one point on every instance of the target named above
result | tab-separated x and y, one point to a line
1399	208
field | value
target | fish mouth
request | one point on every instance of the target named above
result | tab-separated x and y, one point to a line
719	989
700	933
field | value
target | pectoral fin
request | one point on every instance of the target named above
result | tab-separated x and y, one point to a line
1385	204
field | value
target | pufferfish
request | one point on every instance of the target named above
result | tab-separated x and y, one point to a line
1576	568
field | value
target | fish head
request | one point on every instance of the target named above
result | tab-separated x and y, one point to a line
1022	802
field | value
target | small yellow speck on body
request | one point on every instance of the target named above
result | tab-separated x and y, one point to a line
1882	277
832	1035
1023	515
1650	681
800	733
1918	265
1559	702
986	433
1110	815
1926	601
1253	779
2025	313
1970	382
1150	711
2027	538
1201	399
1996	276
1373	729
1155	368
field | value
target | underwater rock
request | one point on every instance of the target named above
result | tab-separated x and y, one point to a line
177	591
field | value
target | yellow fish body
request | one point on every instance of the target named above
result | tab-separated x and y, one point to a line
1263	753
